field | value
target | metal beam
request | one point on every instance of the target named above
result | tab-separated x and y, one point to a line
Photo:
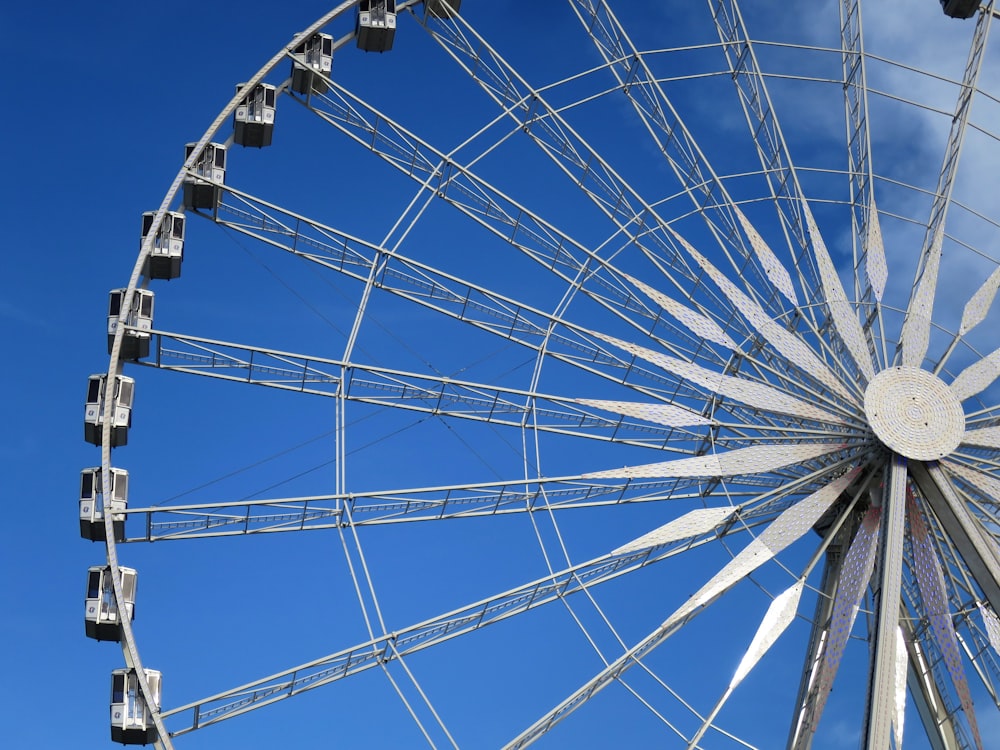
915	334
980	554
820	632
431	287
927	698
391	646
785	530
883	690
772	149
670	134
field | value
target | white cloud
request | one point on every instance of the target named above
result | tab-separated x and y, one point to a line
909	117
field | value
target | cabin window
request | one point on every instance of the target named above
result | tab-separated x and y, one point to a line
134	710
118	688
94	584
125	391
128	587
87	484
153	681
94	391
107	595
120	484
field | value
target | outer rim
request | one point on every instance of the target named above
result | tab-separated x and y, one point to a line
115	365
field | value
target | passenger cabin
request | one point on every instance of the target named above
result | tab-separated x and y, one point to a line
442	8
103	615
96	498
208	168
253	121
120	411
376	25
313	61
131	722
960	8
167	253
138	321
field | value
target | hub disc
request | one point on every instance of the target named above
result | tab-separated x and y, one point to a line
914	413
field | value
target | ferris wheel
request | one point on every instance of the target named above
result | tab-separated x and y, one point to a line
625	373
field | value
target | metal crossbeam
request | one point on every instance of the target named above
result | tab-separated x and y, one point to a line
446	293
772	149
783	531
421	393
672	137
980	555
293	514
429	633
915	335
635	217
859	155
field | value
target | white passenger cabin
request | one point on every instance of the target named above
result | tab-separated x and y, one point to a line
208	168
253	121
96	498
376	25
120	411
164	260
439	8
131	723
102	617
313	61
138	320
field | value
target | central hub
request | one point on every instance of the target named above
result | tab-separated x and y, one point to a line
914	413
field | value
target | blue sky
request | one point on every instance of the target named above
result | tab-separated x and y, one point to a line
101	103
139	84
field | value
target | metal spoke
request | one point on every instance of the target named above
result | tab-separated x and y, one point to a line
916	326
499	214
766	132
429	394
467	500
583	164
435	631
853	580
425	285
674	140
981	557
931	582
783	531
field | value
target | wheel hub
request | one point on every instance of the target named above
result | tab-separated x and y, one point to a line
914	413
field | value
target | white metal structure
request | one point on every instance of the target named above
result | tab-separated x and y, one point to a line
597	328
